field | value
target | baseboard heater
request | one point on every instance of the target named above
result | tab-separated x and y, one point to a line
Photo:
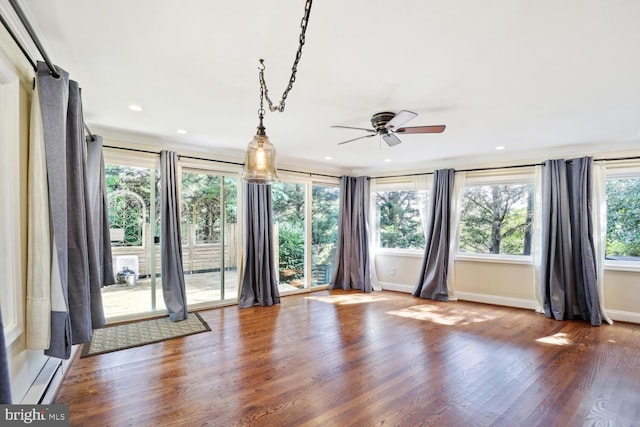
44	388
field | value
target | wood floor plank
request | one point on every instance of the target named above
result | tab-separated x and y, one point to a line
351	359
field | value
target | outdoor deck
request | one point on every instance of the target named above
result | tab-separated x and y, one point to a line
121	301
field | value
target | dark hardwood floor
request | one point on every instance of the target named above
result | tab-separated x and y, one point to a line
352	359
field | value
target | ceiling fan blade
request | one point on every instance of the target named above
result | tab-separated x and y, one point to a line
422	129
399	119
351	127
391	139
355	139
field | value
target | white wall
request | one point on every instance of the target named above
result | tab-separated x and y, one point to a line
508	284
622	295
398	271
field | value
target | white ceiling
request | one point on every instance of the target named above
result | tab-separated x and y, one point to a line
541	78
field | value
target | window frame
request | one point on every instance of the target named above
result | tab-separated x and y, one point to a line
308	181
624	170
392	185
324	182
487	178
201	167
11	276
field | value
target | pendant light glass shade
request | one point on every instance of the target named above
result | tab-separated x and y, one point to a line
260	161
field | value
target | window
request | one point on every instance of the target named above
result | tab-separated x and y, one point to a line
324	232
623	219
496	219
400	223
134	220
289	216
129	198
208	217
209	246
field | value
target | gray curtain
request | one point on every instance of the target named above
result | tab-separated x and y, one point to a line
432	282
99	211
568	276
173	285
352	265
582	243
54	100
85	300
258	285
5	385
76	301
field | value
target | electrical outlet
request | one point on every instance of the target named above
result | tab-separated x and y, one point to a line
392	271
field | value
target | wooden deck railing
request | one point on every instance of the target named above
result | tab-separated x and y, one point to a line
195	257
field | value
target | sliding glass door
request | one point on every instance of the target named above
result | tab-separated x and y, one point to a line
305	216
209	227
289	221
133	223
324	231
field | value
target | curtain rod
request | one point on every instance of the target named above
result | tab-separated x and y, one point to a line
242	164
609	159
463	170
27	25
138	150
91	136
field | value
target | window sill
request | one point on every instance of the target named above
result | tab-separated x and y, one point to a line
415	253
501	259
622	266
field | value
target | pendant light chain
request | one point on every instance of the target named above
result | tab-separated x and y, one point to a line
260	156
264	91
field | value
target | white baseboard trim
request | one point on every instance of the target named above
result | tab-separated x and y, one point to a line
615	315
623	316
497	300
468	296
398	287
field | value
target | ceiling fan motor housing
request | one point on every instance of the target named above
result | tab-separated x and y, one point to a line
379	120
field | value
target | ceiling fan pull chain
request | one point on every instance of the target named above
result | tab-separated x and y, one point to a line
294	68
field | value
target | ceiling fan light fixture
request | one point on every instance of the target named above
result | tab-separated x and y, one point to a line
391	139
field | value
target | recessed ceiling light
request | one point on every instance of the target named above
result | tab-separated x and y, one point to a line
387	160
328	158
134	107
500	147
181	131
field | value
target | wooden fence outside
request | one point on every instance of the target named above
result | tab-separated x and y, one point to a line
196	257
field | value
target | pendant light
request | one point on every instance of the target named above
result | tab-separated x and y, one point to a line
260	156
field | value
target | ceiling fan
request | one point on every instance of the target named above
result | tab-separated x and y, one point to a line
387	125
